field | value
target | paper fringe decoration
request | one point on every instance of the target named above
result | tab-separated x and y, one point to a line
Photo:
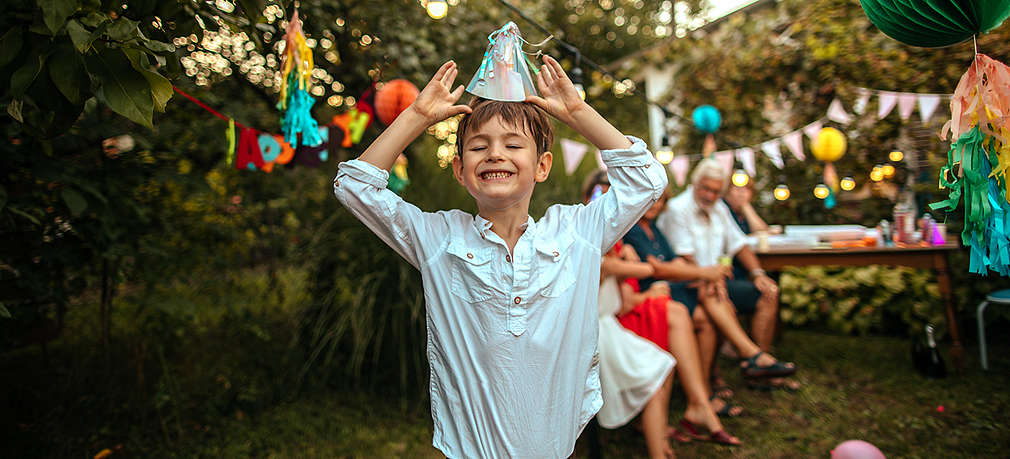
978	163
504	72
296	103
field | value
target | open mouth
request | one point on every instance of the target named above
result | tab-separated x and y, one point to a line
495	175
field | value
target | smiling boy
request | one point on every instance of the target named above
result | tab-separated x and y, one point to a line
510	303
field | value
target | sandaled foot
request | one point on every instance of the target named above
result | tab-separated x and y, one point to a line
753	368
678	436
721	389
724	409
698	432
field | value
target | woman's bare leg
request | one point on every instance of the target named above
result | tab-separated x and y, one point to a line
723	316
655	421
707	341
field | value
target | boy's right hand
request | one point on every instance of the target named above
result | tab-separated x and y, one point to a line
436	102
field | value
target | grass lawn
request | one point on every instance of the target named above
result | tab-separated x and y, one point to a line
854	388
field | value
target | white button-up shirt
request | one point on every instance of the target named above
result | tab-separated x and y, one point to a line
690	231
511	338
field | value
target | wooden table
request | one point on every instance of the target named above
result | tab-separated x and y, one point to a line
933	257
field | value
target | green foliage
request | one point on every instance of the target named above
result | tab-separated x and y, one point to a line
861	300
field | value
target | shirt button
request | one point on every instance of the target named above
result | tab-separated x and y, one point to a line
469	255
556	254
517	300
647	165
508	258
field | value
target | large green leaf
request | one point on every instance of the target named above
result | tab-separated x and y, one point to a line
125	90
123	29
253	9
56	12
79	35
10	45
26	74
74	200
67	72
161	88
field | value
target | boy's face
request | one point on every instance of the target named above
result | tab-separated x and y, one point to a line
499	165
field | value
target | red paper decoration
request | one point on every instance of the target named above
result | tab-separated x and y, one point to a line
394	97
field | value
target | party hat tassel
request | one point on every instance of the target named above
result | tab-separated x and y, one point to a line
296	103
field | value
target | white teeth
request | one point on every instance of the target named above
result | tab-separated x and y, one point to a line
495	175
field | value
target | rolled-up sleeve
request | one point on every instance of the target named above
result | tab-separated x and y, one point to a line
361	188
636	181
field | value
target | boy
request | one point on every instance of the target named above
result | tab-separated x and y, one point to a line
510	303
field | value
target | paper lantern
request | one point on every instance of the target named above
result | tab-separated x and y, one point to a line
829	145
394	97
935	23
707	119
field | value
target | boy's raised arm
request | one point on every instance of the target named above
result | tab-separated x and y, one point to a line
435	103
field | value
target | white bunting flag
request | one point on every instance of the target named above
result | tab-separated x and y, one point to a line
927	105
837	113
679	167
599	160
773	150
864	99
812	130
746	157
794	141
573	152
887	101
726	159
906	104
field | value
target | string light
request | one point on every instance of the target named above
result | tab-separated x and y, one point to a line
821	191
877	174
437	9
577	81
781	192
848	184
888	170
740	178
896	156
664	154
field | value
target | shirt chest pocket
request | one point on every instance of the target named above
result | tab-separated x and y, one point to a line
472	274
556	273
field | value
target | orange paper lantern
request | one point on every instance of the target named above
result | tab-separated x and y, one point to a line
394	97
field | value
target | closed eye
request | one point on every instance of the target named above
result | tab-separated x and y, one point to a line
514	146
479	148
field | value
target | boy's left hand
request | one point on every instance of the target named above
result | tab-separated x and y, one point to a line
560	99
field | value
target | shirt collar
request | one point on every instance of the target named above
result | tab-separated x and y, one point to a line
482	225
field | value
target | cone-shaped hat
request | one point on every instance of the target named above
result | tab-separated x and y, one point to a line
505	71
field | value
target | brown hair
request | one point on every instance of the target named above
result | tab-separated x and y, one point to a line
527	116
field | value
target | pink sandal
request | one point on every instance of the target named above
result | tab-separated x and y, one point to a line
694	431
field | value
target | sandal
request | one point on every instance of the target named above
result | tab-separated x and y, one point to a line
727	408
694	431
721	389
752	370
678	436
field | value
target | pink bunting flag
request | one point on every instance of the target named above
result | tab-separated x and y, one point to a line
746	157
794	141
927	105
573	152
726	159
906	104
837	113
864	99
773	150
679	167
812	130
599	160
887	101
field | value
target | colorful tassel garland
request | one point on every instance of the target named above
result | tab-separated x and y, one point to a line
296	103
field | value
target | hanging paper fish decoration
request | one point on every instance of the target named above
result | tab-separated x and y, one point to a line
504	72
295	102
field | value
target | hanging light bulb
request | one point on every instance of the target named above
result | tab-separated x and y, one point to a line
896	156
821	191
740	178
577	81
877	174
781	192
437	9
664	154
848	183
888	170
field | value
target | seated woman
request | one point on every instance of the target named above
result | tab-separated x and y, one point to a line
716	307
673	331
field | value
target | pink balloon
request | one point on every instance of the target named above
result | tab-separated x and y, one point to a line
856	449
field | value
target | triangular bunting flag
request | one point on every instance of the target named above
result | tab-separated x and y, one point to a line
679	167
794	141
813	129
573	152
887	101
773	150
927	105
746	157
599	161
836	113
864	99
906	104
726	159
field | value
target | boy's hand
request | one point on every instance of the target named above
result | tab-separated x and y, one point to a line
436	102
560	98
